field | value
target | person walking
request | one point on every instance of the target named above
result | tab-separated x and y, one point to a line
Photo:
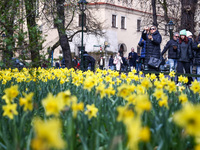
75	63
139	63
196	47
132	56
142	44
184	55
118	61
172	46
110	64
153	40
88	62
124	65
101	63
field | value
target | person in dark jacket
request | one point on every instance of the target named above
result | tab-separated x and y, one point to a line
153	40
172	46
124	66
196	47
110	64
57	65
191	40
62	63
142	44
74	63
184	54
132	56
89	62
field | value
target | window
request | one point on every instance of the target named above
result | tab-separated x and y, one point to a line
138	25
122	22
114	21
80	20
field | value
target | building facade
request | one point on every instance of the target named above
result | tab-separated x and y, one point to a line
123	20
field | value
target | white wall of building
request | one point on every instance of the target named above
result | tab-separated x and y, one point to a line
103	11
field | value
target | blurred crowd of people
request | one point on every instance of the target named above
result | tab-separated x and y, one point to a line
183	54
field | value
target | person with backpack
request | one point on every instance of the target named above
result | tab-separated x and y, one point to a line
88	62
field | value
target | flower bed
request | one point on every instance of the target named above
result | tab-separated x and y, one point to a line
64	109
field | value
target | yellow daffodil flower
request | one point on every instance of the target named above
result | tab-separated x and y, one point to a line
27	102
172	74
52	105
189	118
10	110
124	114
142	103
77	107
101	90
158	93
11	93
195	87
144	134
47	135
123	91
171	86
183	98
146	83
91	111
152	77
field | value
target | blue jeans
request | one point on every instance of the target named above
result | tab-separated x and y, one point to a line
112	67
198	72
138	67
172	64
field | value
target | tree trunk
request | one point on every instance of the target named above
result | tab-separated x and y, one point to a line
187	14
33	32
8	12
153	4
164	5
63	38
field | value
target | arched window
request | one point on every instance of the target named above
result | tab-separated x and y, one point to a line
122	49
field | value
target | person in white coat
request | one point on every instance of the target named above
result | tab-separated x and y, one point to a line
118	61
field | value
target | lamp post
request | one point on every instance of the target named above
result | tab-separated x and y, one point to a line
82	6
171	28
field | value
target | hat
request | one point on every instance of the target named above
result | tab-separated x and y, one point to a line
183	32
188	33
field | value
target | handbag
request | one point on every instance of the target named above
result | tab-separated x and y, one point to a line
154	62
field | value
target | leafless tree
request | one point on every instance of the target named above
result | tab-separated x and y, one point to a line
63	18
153	3
8	14
187	14
182	12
